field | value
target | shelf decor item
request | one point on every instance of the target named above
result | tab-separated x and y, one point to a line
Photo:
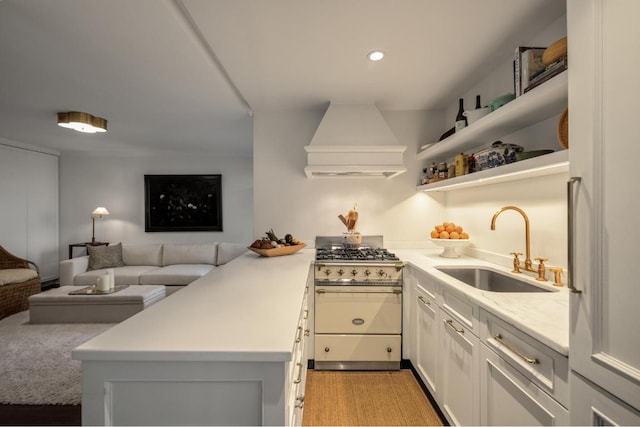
563	129
497	155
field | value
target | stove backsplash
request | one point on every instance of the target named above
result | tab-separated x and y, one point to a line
327	242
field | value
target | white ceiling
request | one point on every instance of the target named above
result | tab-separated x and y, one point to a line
185	74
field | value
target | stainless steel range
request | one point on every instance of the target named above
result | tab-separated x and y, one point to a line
358	305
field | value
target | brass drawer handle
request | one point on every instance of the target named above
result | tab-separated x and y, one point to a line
424	301
530	360
299	379
458	330
299	334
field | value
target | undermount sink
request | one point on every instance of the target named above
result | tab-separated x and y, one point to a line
490	280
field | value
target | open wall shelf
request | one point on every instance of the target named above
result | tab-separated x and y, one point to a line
542	102
549	164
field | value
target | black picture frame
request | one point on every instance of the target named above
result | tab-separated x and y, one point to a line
183	202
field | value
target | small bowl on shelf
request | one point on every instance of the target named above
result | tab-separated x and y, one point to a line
450	246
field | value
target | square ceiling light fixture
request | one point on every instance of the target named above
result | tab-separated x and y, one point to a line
82	122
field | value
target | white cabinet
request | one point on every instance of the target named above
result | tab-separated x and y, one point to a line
459	371
29	208
510	398
604	152
523	382
427	339
297	368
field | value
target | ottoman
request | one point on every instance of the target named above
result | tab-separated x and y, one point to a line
57	306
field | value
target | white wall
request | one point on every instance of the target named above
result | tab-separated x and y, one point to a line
117	183
287	201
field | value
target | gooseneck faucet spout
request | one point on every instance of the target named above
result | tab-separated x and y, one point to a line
527	261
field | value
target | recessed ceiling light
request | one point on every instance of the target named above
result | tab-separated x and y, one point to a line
376	55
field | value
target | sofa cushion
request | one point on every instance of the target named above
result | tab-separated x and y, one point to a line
104	256
127	275
228	251
9	276
145	254
177	274
203	253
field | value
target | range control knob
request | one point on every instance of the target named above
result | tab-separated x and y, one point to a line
327	272
381	273
341	272
367	273
354	272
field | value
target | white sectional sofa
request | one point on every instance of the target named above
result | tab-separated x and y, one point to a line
170	264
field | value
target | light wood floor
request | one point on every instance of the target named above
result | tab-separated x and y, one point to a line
366	398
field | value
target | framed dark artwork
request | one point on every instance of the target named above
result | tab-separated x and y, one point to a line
183	202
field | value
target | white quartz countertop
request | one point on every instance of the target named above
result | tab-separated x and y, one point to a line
246	310
542	315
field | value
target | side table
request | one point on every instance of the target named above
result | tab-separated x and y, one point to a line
84	245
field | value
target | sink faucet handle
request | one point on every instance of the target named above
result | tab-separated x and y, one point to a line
516	262
541	268
557	274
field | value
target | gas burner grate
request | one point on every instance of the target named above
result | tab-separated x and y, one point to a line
355	254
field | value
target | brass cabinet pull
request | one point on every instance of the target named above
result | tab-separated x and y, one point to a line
299	401
306	314
570	229
424	301
299	335
299	379
530	360
458	330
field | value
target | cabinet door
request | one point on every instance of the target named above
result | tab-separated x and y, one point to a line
510	398
593	406
459	369
426	340
603	39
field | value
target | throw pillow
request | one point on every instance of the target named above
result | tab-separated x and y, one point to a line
105	256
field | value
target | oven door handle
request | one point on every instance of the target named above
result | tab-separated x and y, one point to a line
324	291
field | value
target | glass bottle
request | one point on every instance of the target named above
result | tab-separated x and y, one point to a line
478	102
461	120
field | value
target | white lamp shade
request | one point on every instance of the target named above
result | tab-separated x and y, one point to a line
99	212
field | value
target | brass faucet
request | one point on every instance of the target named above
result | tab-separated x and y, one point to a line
527	262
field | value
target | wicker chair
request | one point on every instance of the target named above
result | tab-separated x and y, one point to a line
14	297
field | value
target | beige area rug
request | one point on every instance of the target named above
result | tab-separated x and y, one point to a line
35	360
363	398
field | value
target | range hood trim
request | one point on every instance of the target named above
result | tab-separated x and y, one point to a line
354	171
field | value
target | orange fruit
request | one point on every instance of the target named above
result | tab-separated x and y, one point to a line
464	236
439	228
444	235
435	234
458	229
449	228
454	235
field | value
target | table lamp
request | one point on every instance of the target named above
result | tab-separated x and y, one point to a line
99	212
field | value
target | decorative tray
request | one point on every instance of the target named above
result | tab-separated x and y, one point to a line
283	250
92	290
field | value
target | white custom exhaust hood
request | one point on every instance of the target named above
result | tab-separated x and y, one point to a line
354	141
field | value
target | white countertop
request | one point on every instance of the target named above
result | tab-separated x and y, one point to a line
542	315
246	310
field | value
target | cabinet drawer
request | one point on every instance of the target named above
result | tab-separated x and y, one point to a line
465	312
545	367
427	284
357	348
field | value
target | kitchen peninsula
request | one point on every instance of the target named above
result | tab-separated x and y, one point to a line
224	349
217	352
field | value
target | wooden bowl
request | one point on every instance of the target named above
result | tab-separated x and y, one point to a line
563	129
282	250
555	51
